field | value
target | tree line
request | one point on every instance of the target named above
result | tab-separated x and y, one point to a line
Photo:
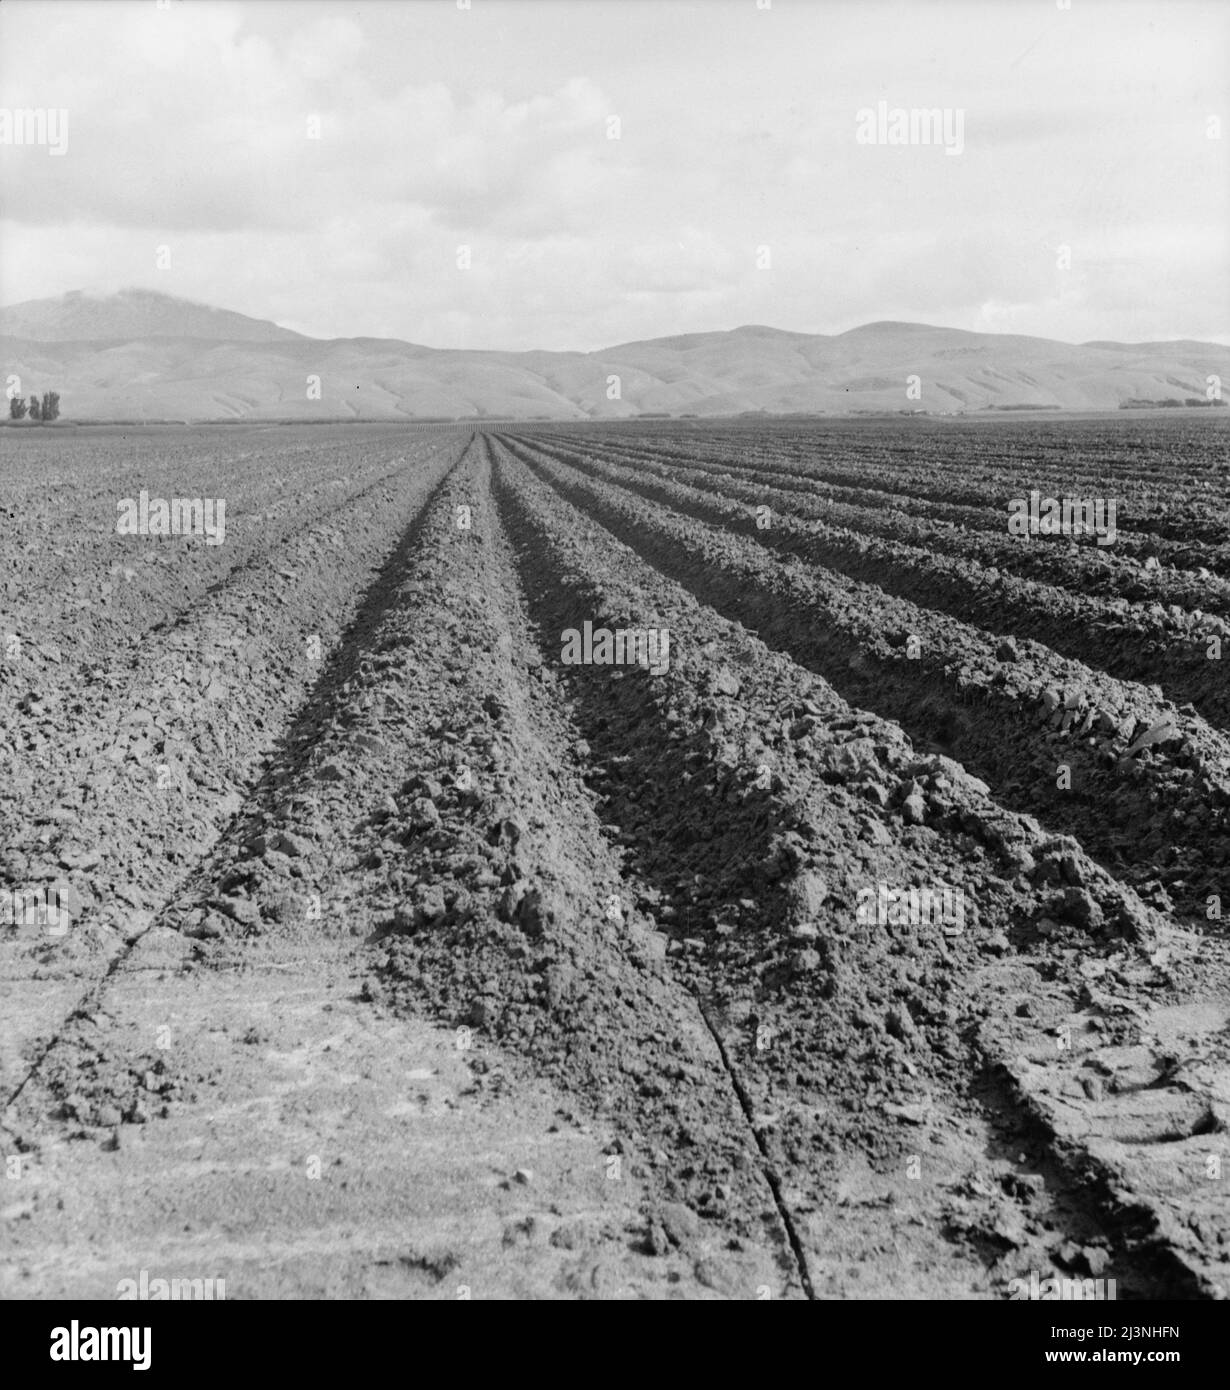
46	409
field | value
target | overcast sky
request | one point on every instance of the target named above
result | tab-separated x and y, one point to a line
1085	128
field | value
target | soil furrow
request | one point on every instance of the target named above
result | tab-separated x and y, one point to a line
1182	652
1067	757
916	469
1089	568
141	799
756	941
482	898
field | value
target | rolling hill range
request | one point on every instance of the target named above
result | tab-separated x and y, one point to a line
139	354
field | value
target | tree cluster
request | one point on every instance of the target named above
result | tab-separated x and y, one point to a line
46	409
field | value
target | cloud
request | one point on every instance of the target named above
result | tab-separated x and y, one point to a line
189	128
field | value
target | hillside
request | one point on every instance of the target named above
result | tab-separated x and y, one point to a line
139	353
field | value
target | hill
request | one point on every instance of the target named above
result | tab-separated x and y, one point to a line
139	353
81	317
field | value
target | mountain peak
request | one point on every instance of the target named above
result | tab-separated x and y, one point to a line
134	312
893	327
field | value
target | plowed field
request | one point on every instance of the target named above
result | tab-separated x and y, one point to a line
848	925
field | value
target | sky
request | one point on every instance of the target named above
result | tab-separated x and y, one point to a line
571	174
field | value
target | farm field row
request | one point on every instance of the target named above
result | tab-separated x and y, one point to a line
981	535
1053	736
1169	476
